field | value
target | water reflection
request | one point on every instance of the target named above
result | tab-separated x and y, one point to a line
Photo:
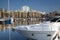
7	33
27	21
14	35
18	18
18	21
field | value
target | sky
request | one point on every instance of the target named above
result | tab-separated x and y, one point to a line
41	5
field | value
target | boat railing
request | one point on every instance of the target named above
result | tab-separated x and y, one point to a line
49	27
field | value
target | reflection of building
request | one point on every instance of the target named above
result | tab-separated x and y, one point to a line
1	27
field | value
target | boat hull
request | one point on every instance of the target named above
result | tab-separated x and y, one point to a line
37	35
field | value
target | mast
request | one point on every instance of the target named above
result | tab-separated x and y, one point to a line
9	8
9	18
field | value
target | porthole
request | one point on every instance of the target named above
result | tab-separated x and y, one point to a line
32	34
48	34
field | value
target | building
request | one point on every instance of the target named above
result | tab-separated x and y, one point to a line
1	13
25	16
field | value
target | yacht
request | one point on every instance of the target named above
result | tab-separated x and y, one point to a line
47	30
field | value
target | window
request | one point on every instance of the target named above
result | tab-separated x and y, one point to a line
49	35
1	22
54	19
48	19
32	34
58	21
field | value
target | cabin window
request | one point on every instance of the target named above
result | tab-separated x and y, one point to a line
58	21
48	19
48	34
32	34
1	22
54	20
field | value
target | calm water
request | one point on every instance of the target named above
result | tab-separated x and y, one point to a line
14	35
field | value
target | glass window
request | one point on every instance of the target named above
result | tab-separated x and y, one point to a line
48	19
54	19
58	21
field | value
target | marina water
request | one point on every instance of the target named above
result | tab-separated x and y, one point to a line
14	35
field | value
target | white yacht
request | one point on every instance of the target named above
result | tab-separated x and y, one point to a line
43	31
